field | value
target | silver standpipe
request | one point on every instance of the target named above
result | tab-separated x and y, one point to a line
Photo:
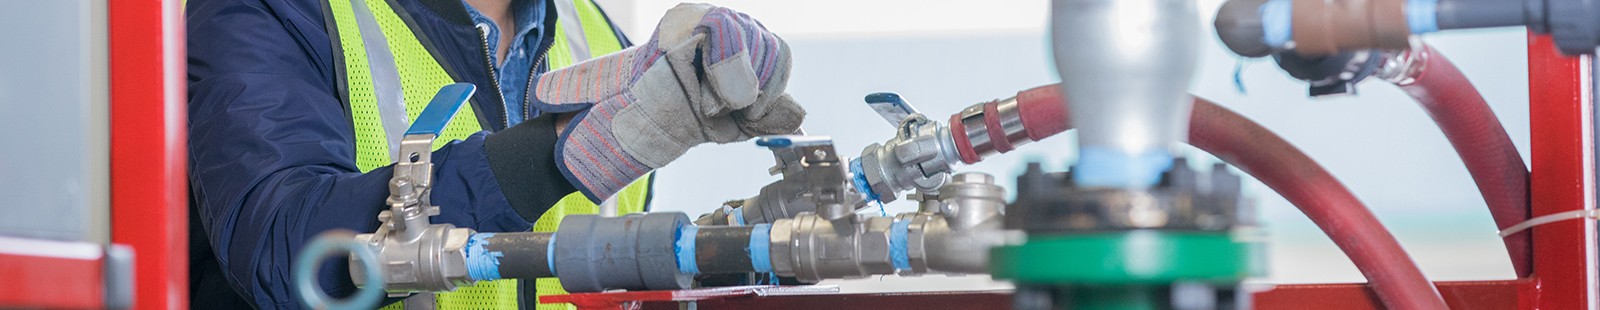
1125	66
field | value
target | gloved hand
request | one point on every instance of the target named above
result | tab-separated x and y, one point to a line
708	74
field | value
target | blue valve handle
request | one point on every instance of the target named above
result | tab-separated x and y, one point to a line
890	106
441	109
783	141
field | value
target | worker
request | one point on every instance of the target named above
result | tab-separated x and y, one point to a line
296	107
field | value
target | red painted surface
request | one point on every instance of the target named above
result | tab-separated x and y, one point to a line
1555	85
984	300
74	283
148	152
1512	294
747	298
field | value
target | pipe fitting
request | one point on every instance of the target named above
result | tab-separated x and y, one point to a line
634	252
811	248
957	240
435	259
1327	27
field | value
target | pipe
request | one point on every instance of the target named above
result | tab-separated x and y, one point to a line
1469	14
1126	65
522	255
1480	140
1291	173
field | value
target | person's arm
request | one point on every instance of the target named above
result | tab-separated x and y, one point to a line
272	159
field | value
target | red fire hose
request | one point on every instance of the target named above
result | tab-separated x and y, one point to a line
1481	142
1284	168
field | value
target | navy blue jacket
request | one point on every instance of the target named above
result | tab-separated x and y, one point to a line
272	146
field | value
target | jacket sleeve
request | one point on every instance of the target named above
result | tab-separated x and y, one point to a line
272	160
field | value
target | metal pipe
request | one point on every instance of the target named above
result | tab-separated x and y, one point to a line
1125	67
1469	14
724	249
523	255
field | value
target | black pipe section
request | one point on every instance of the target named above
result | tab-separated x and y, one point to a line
524	254
1468	14
723	249
1238	24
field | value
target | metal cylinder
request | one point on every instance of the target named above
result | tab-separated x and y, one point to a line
1125	67
723	249
523	255
1467	14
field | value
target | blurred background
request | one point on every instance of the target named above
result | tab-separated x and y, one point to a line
944	55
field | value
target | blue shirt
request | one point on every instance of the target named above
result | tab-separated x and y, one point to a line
514	72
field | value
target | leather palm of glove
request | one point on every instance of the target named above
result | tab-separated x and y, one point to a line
708	74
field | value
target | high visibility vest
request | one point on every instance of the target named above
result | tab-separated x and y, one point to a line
388	69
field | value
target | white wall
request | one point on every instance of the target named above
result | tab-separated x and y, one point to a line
944	55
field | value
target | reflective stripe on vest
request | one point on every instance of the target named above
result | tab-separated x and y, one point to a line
412	70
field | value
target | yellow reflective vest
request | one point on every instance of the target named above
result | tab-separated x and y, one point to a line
387	68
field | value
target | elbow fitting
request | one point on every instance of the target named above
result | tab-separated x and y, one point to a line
958	238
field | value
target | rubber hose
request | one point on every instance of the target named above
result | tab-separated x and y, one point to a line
1267	157
1294	175
1482	143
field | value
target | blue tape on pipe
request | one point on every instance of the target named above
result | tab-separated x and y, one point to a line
738	217
1277	23
550	254
897	245
1422	16
1103	167
482	264
684	247
859	179
760	258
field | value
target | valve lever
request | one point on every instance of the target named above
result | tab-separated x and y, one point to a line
891	106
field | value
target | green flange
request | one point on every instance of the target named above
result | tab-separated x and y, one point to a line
1123	258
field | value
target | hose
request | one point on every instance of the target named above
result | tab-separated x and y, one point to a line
1266	156
1479	139
1294	175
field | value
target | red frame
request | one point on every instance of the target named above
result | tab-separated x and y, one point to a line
149	205
1562	251
46	261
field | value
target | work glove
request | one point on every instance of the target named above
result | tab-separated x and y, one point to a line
708	74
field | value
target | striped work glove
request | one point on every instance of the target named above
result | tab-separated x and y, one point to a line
708	74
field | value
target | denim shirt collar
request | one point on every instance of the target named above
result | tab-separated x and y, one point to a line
529	15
